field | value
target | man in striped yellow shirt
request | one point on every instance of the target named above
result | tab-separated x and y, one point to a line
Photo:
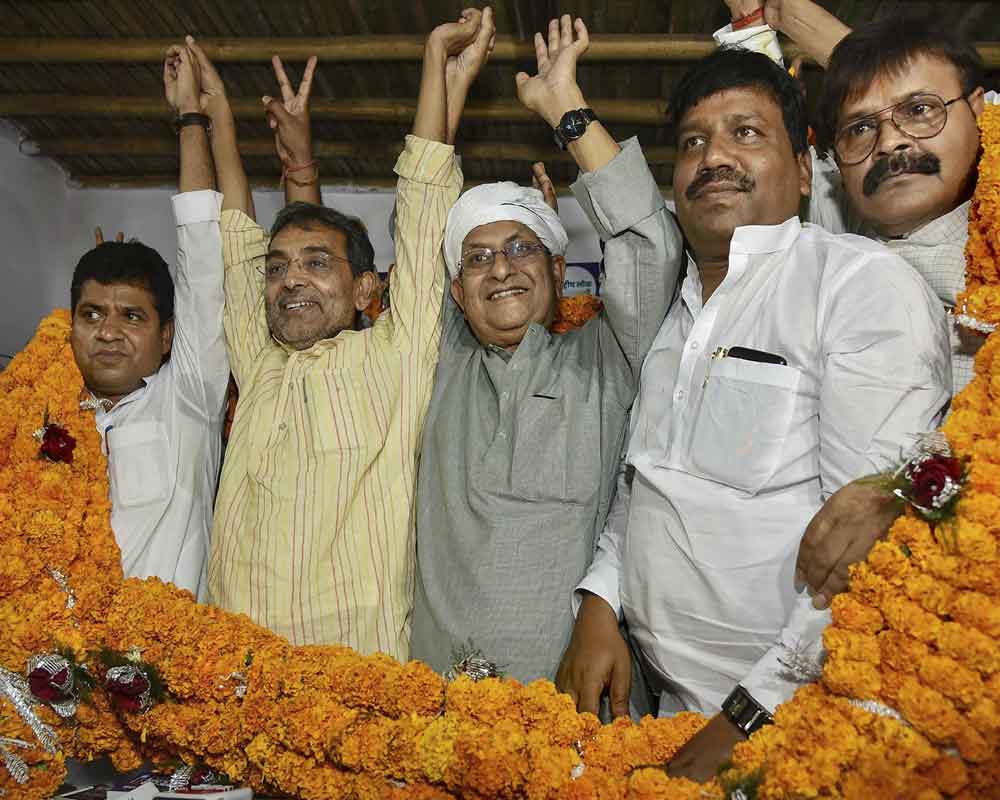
314	528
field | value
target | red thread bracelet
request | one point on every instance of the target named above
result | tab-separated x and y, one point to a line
750	19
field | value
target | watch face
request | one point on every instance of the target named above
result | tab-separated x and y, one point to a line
575	125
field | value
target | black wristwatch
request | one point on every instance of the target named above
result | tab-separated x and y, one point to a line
192	118
744	712
572	126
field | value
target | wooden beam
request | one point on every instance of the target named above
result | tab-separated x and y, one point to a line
338	49
353	49
386	109
362	183
494	151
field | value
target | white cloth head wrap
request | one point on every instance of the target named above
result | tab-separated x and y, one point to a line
499	202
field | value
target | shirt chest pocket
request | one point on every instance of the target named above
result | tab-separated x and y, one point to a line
339	413
745	416
556	454
139	464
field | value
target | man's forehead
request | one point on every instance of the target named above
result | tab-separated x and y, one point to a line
737	103
316	235
498	232
922	73
121	294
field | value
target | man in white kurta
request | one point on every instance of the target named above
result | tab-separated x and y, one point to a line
795	361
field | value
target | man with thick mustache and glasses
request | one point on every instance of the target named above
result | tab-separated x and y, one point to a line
314	527
525	427
795	361
897	122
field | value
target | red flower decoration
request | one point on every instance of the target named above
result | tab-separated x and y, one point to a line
50	687
129	688
57	444
930	477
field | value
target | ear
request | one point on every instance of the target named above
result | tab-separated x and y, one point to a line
559	273
805	172
166	337
458	293
365	286
976	101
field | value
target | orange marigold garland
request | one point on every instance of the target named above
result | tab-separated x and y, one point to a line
979	304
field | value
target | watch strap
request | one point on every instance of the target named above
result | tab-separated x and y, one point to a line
561	132
744	712
192	118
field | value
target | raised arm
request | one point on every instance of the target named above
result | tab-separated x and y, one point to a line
182	84
244	243
198	360
289	119
232	179
810	26
554	90
643	252
430	179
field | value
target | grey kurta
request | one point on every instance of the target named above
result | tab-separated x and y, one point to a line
521	449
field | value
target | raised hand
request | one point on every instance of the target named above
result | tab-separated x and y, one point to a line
99	236
464	65
212	98
554	90
540	180
288	117
181	80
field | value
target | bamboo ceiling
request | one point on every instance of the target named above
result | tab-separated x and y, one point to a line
82	80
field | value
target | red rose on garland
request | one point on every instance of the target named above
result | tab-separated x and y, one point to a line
51	687
931	477
57	444
129	688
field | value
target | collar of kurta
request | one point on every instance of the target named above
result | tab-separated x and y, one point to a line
754	240
318	349
535	337
952	227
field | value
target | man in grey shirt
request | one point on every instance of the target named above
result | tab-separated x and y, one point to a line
525	428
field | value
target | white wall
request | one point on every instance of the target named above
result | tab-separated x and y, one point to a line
46	225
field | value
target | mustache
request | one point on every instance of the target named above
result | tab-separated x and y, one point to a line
899	164
286	297
743	182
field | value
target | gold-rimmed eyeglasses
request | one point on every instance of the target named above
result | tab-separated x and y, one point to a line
922	116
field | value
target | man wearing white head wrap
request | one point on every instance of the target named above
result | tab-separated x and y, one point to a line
524	431
495	202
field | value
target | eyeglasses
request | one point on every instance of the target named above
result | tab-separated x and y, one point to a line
317	264
517	253
920	117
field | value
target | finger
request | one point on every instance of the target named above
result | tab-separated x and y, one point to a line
120	237
486	30
565	31
276	109
520	79
553	38
199	54
307	79
173	51
815	531
98	235
828	553
590	695
838	581
279	72
621	686
541	53
582	37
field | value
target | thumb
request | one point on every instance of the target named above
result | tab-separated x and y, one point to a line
276	109
621	686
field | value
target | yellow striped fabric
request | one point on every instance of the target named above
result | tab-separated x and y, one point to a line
314	522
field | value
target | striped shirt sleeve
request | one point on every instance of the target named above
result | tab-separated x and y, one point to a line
244	245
